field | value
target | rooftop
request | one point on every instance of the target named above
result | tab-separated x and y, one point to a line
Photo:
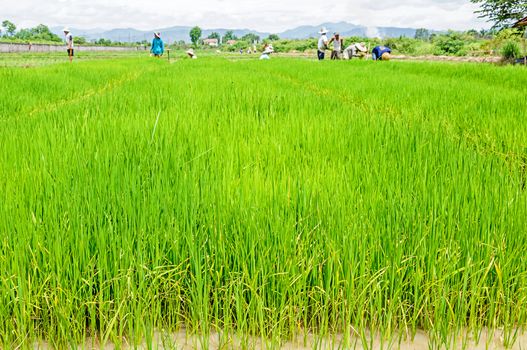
521	23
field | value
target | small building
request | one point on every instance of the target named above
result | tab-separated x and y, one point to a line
231	42
211	42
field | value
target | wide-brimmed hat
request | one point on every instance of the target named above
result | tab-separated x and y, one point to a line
361	47
190	52
386	56
157	34
269	49
66	29
323	30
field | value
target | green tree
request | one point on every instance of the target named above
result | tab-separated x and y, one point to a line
450	44
250	38
103	42
9	27
229	35
214	35
80	40
502	12
273	37
195	35
23	34
422	34
42	32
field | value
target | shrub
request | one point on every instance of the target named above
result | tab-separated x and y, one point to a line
511	50
451	44
403	45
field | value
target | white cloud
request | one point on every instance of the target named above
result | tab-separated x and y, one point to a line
269	15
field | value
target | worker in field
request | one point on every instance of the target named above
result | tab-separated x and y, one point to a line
355	50
268	50
338	45
191	54
322	44
381	53
158	46
69	43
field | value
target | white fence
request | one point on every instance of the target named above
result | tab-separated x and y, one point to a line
11	47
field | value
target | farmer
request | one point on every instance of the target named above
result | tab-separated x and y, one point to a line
69	43
191	54
158	47
267	51
338	44
381	53
355	50
322	44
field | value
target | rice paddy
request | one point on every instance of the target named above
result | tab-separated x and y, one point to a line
265	200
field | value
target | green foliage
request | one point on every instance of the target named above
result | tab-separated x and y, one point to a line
80	40
450	44
511	50
422	34
273	37
250	38
195	35
240	44
103	42
502	13
9	27
403	45
214	35
40	32
229	35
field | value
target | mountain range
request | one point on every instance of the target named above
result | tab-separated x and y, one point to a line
178	33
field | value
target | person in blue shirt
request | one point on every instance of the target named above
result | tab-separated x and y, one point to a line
158	47
382	53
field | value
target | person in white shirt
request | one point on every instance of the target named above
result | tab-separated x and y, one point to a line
191	54
355	50
338	44
268	50
322	44
69	43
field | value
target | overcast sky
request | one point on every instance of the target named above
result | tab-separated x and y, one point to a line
262	15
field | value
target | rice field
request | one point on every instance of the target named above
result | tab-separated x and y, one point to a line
261	200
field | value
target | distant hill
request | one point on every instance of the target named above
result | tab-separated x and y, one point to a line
178	33
348	29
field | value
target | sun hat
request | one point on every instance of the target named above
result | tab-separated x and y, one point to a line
361	47
66	29
269	49
157	34
190	52
323	30
386	56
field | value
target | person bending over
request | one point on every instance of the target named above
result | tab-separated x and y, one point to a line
381	53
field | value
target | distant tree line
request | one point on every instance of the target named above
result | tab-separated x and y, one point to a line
42	33
249	38
38	33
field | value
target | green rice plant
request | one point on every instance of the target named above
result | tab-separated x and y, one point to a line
266	201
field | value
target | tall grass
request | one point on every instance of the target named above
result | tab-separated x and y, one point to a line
264	199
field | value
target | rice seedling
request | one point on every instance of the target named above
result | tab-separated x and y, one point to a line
262	200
